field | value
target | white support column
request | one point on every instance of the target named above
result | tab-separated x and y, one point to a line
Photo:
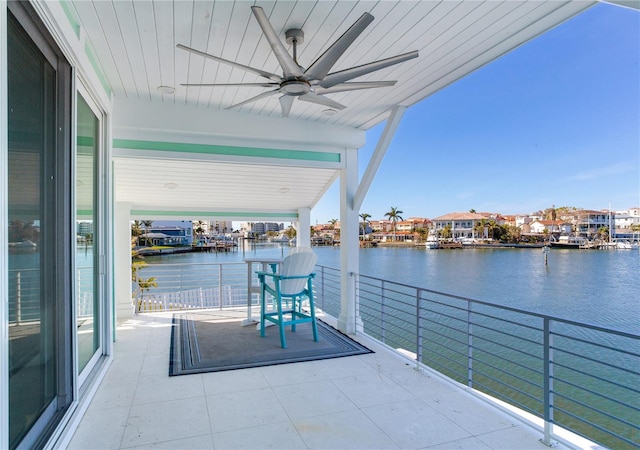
122	261
303	231
349	321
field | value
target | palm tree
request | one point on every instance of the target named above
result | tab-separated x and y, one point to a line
394	216
290	232
478	228
365	219
147	225
136	231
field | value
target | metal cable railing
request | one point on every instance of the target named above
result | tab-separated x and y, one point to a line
25	294
577	376
165	287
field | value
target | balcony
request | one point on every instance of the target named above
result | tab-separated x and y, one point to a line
386	399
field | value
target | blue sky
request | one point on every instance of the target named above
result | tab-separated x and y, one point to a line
554	122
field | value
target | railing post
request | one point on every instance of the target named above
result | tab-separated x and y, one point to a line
548	383
418	329
356	287
322	287
383	328
18	298
469	346
220	284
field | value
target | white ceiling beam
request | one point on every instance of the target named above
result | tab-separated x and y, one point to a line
168	122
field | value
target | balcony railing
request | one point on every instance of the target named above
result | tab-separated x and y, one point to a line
580	377
576	376
25	294
164	287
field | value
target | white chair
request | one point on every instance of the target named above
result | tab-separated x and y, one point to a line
293	281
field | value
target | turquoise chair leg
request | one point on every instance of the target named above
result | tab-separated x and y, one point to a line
283	342
293	309
262	308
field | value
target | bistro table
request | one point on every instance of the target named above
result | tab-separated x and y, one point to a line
255	289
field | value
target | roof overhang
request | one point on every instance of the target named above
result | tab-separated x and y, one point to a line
184	154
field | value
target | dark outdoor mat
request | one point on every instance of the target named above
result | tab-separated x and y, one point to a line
201	343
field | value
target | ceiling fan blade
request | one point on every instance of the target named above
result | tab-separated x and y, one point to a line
345	75
262	73
231	84
319	69
353	86
255	99
321	100
286	101
289	66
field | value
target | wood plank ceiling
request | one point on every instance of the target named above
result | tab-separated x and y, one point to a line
135	43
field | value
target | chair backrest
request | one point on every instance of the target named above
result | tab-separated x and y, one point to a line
298	263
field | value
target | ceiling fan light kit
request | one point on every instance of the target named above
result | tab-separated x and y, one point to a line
312	84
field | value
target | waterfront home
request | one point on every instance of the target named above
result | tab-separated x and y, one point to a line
550	226
108	121
587	222
461	224
413	223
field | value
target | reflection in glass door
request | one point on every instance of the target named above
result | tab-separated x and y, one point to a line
87	238
39	220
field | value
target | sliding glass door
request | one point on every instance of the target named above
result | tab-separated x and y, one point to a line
88	236
39	220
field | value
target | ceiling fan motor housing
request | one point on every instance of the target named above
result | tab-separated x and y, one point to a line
295	87
294	36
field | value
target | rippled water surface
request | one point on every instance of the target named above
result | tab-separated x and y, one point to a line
600	287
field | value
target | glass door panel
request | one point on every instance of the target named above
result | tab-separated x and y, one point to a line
87	250
31	129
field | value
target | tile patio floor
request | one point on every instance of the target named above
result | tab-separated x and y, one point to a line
373	401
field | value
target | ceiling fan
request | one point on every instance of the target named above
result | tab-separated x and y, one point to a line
309	84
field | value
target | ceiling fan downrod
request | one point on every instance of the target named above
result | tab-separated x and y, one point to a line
294	37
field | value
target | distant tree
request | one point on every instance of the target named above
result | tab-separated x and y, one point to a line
511	233
472	211
394	216
495	230
23	230
144	284
550	213
445	233
333	223
290	232
199	230
421	234
146	224
479	228
365	219
136	228
603	233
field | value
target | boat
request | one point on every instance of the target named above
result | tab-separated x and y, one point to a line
433	241
571	242
626	245
432	244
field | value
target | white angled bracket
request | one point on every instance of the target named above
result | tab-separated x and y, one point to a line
376	159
